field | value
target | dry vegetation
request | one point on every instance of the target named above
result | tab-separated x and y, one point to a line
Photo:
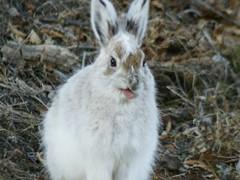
193	47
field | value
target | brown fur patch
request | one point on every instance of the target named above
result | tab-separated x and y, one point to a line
133	60
118	49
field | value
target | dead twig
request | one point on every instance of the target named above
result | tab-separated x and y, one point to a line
210	8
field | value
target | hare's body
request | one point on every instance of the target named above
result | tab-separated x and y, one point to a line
103	123
114	138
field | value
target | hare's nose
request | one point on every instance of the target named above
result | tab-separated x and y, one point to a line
133	82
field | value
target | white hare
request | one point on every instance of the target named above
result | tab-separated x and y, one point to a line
103	123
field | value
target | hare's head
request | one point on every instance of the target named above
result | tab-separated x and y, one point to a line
121	60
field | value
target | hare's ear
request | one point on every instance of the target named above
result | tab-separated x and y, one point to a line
137	18
104	20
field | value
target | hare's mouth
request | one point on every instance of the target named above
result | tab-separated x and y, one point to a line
128	93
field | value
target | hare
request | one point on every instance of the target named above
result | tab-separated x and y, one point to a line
103	123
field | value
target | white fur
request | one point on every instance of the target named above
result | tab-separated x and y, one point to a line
93	132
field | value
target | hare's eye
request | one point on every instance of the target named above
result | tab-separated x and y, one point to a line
144	62
113	62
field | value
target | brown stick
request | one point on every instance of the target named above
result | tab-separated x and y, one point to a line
55	56
210	8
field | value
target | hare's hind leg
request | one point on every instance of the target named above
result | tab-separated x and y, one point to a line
134	171
138	167
99	168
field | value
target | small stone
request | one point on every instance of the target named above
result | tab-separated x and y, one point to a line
13	12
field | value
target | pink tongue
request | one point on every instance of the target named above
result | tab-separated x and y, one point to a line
128	93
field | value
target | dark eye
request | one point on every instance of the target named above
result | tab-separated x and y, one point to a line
144	62
113	62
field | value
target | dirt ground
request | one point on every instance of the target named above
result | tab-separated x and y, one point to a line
193	49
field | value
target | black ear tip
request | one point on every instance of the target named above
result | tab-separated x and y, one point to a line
103	3
144	2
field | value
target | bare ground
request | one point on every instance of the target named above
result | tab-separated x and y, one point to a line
193	48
